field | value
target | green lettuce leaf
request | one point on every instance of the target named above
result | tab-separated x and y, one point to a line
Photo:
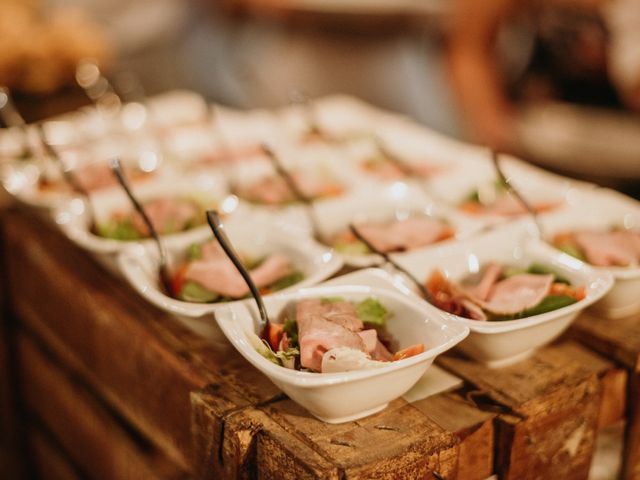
372	311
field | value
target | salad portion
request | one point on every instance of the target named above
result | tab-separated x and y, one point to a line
91	177
207	275
167	214
332	334
382	167
273	189
502	292
614	248
496	199
394	236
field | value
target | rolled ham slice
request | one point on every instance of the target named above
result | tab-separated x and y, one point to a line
517	293
219	275
489	278
341	312
167	215
273	190
317	334
413	232
604	249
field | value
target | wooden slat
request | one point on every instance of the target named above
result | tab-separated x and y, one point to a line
473	428
48	462
88	433
399	442
632	434
619	340
140	360
551	404
282	440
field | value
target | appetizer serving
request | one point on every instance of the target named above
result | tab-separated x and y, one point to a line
332	334
167	214
496	199
273	189
395	236
207	275
91	177
501	292
385	169
614	248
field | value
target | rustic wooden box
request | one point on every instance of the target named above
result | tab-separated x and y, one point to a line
202	409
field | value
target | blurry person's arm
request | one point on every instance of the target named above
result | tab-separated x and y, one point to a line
475	74
623	21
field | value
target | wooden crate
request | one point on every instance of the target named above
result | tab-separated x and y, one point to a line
98	444
206	410
619	340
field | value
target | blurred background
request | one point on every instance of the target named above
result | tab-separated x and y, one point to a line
555	82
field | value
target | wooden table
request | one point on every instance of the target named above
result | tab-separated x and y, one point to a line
111	387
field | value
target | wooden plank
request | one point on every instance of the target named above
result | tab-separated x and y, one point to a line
631	464
48	462
141	360
399	442
98	443
613	381
473	428
281	440
619	340
12	449
551	404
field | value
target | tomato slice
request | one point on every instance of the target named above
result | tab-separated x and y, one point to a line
275	335
179	278
416	349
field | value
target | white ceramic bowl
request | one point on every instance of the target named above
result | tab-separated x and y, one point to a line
341	397
392	201
600	209
536	186
501	343
73	217
250	236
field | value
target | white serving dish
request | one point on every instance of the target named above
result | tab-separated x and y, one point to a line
601	209
73	216
346	396
537	186
250	236
395	200
502	343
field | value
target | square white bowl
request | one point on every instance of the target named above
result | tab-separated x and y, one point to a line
73	217
392	201
504	342
346	396
250	236
600	209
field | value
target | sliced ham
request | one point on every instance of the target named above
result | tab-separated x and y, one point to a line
413	232
370	339
270	190
380	352
341	312
604	249
517	293
490	276
506	297
167	215
273	268
507	205
219	275
317	334
274	190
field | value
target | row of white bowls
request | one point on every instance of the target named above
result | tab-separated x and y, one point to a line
344	396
